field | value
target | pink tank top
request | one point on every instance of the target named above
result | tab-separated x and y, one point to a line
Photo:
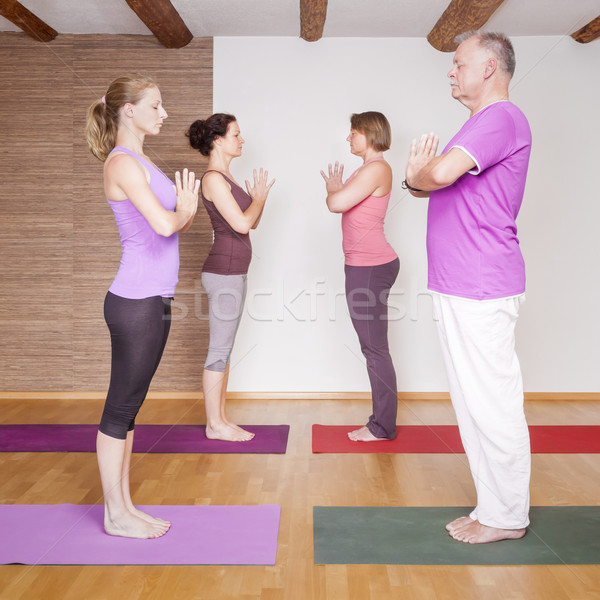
364	240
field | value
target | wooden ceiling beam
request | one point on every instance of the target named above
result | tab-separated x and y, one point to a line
460	16
588	33
23	18
312	19
163	20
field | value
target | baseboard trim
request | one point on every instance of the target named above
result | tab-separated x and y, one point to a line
421	396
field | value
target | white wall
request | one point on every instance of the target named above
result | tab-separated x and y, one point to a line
293	100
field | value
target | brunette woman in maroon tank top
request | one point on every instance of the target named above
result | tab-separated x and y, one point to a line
232	212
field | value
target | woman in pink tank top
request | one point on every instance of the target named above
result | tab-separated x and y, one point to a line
371	265
149	211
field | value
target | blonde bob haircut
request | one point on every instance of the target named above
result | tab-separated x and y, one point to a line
375	127
103	115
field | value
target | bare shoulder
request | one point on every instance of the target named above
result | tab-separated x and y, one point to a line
380	165
119	158
214	182
375	166
120	163
375	170
124	171
213	176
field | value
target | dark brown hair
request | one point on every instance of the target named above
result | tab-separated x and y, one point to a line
202	133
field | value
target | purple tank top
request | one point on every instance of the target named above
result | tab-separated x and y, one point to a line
231	251
149	262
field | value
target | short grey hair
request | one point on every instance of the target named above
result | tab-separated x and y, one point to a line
497	43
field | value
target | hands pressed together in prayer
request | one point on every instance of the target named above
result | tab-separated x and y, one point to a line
421	153
187	187
260	190
333	182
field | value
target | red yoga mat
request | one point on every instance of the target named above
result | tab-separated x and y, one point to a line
442	439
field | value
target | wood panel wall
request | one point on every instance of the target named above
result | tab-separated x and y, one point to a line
59	243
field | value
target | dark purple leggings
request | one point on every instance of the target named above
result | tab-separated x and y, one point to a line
138	334
367	291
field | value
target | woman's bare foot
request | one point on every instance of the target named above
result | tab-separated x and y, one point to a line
364	435
227	433
233	425
468	531
149	518
247	435
129	525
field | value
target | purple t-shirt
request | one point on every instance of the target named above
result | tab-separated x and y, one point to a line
472	245
149	262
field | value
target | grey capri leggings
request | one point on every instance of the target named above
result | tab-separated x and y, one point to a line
226	296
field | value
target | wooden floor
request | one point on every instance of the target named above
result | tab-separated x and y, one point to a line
296	481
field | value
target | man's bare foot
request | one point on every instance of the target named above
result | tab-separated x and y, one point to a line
227	433
364	435
149	518
129	525
458	524
468	531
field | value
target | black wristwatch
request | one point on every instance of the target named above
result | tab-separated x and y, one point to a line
405	186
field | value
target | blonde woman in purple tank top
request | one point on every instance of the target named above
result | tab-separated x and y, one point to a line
233	213
371	265
149	211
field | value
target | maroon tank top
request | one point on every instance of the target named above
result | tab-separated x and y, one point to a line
231	251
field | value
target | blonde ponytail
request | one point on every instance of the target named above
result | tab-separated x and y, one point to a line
100	130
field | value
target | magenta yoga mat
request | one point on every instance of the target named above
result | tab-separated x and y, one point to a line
268	439
72	534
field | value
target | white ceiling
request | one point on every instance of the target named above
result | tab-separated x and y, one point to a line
345	18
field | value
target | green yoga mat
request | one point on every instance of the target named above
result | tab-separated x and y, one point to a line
416	536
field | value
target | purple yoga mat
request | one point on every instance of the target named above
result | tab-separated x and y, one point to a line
269	439
72	534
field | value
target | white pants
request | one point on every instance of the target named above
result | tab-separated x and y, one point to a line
478	345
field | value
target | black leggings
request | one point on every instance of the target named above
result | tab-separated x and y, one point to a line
138	334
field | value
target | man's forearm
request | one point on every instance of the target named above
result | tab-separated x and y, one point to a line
430	177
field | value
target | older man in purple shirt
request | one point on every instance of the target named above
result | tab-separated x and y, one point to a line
477	276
